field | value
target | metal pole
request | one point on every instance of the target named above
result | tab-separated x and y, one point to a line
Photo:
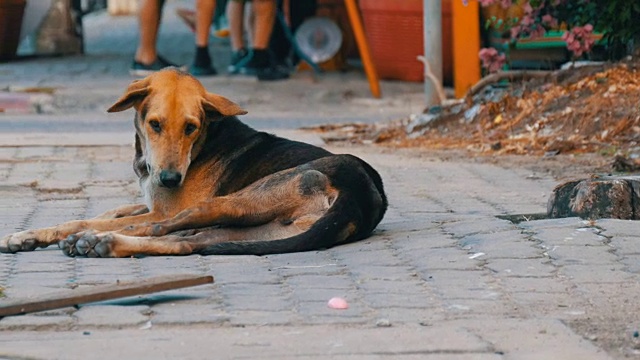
432	48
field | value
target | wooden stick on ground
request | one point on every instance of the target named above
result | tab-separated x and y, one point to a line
100	293
513	75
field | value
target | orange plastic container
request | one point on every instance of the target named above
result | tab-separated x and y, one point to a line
11	12
394	29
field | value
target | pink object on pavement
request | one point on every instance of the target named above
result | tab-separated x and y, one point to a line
338	303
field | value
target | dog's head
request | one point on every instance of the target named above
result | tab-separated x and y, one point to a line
172	113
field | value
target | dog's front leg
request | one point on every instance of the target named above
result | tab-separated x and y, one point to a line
225	211
31	239
123	211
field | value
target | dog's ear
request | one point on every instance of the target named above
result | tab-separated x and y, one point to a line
136	91
222	105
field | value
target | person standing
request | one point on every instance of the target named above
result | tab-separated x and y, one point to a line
147	60
256	60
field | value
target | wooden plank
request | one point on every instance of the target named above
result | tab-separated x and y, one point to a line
466	45
100	293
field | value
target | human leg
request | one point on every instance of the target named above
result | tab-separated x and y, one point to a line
235	17
202	64
260	62
146	59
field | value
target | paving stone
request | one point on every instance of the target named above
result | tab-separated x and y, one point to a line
368	257
327	269
626	244
538	302
112	316
474	308
477	225
29	152
241	273
401	225
27	173
527	285
411	286
440	258
414	301
186	313
36	322
245	289
262	318
487	292
582	255
424	239
570	236
391	273
278	302
559	341
505	244
566	223
631	263
424	317
476	279
320	282
521	267
618	228
612	273
311	259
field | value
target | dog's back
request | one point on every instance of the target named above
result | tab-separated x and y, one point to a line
246	155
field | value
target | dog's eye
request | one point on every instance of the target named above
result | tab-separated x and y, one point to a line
155	125
189	129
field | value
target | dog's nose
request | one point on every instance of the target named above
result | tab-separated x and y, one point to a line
170	178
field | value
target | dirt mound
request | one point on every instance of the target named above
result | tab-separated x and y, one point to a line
578	110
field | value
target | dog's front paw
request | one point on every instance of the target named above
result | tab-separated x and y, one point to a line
88	244
20	241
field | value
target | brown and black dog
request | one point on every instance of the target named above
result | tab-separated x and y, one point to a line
213	185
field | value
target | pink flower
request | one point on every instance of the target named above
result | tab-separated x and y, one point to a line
579	40
492	60
487	2
515	31
536	31
527	20
549	21
506	3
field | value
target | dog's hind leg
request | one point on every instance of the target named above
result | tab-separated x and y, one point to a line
284	196
112	244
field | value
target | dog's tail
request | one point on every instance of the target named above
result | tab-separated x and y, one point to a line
339	225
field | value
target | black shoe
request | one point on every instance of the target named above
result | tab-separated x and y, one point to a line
259	63
239	60
140	69
202	70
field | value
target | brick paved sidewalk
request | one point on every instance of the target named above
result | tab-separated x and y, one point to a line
442	278
441	259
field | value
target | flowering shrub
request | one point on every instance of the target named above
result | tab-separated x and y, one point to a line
492	60
617	19
579	39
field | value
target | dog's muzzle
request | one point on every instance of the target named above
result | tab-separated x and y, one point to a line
170	179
